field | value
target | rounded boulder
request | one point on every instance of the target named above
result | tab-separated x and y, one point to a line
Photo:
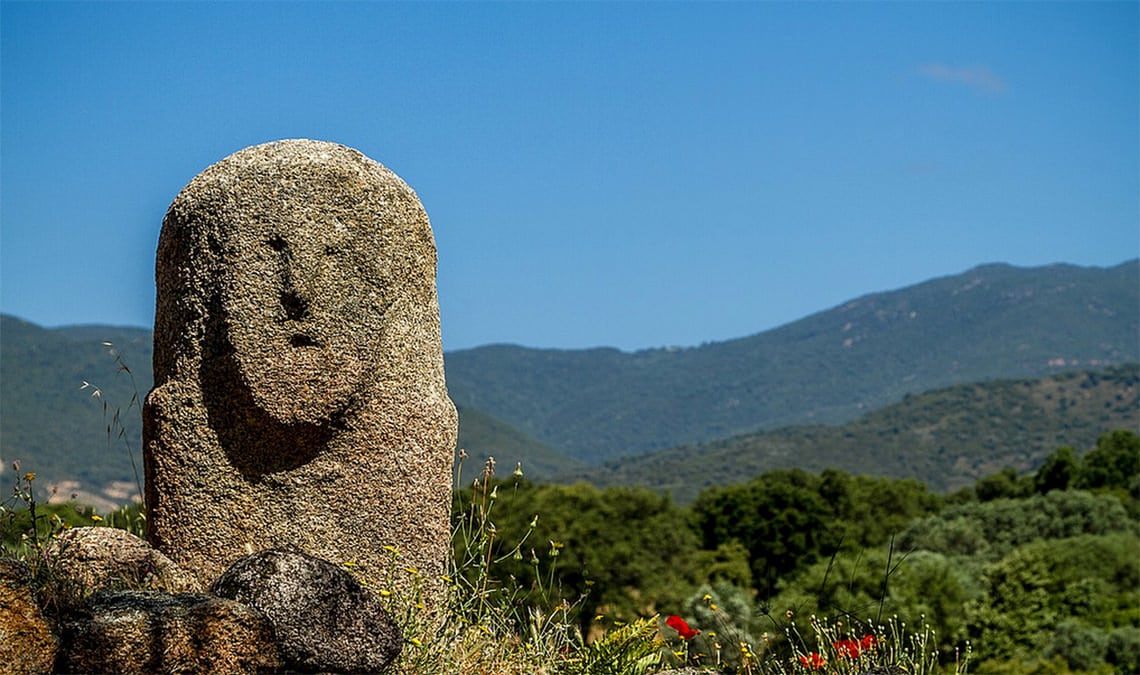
324	619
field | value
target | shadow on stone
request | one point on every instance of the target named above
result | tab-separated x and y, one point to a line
255	444
153	632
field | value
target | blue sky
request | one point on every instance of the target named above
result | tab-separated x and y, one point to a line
597	174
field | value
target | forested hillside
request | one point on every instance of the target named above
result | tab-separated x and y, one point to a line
994	321
60	430
947	438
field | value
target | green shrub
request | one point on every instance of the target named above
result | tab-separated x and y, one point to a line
1083	647
1123	650
1092	578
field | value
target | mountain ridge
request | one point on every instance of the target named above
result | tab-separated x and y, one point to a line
995	320
564	409
980	268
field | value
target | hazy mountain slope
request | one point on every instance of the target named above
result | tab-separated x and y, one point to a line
947	438
992	321
483	436
52	426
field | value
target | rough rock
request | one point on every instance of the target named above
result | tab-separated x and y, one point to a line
324	620
89	559
148	632
27	646
299	397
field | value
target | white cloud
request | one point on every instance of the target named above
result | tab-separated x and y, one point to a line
978	78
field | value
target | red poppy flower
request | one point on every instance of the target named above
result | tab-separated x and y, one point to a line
678	624
868	643
813	661
846	649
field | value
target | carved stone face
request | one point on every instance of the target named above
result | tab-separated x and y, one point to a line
303	306
298	368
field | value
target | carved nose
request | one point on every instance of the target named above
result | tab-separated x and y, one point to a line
296	308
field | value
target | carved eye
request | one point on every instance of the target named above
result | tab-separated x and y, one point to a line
277	243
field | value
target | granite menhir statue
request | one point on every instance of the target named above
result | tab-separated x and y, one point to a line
299	397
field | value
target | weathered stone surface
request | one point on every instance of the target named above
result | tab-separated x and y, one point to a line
148	632
89	559
324	620
27	646
299	396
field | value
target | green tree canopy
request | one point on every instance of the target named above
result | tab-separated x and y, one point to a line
779	517
1114	463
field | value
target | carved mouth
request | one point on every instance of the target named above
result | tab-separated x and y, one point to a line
299	340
